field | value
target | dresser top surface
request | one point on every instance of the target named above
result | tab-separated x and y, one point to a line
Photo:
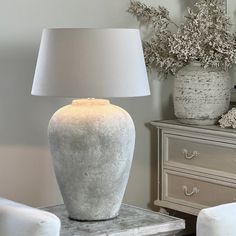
131	221
202	128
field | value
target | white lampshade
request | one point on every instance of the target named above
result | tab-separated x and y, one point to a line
91	63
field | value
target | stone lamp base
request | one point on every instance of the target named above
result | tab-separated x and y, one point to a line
92	144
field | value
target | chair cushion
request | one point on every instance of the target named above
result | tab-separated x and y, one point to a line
217	221
20	220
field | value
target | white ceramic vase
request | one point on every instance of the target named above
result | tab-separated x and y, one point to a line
92	144
201	95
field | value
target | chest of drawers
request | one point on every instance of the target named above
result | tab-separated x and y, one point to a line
196	166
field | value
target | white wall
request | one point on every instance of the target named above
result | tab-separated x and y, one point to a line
25	166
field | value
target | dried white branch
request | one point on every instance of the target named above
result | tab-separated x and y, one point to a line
204	36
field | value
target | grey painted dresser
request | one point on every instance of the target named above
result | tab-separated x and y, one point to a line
196	166
132	221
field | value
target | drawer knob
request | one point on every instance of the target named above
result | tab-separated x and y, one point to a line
195	190
190	156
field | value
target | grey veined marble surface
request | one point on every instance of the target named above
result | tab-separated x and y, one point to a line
132	221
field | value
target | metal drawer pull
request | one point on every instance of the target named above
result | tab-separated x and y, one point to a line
189	194
190	156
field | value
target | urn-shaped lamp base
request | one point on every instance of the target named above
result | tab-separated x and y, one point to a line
92	143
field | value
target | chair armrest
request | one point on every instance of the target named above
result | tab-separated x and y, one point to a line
20	220
217	221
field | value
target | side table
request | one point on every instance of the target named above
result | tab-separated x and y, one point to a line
132	221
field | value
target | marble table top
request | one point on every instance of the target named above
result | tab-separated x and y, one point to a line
132	221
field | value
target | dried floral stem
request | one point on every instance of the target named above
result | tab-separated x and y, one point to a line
204	37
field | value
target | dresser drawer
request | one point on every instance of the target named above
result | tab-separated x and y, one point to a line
195	191
188	151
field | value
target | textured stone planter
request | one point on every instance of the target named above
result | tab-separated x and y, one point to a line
201	95
92	143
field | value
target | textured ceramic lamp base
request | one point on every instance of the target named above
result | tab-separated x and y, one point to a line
92	143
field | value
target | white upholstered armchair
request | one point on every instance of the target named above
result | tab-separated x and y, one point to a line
21	220
217	221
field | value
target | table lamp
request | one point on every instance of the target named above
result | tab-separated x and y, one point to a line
91	140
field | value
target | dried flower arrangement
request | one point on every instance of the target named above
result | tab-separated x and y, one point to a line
204	37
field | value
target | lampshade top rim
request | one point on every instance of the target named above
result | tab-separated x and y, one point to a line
87	28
